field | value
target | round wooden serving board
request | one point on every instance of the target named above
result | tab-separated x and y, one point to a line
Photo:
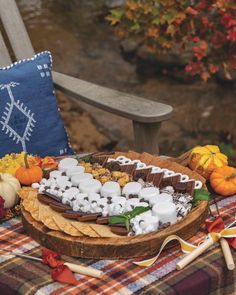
113	248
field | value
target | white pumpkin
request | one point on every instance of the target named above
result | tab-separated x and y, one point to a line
9	187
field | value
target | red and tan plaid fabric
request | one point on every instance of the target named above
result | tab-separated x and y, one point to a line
207	275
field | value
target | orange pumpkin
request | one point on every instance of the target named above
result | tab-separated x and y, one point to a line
34	161
29	174
223	181
204	159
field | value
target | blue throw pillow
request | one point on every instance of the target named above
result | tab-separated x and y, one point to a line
29	116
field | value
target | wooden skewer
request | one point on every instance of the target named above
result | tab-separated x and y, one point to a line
227	254
84	270
194	254
204	246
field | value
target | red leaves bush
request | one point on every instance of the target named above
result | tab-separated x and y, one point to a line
205	28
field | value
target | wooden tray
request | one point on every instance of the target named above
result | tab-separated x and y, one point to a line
113	248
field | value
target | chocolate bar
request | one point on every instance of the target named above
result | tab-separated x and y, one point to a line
70	214
119	230
141	173
129	168
89	217
112	166
102	220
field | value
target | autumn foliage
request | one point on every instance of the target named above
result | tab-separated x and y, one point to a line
205	29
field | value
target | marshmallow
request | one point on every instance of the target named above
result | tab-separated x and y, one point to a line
163	197
147	221
119	200
131	188
136	162
131	204
75	204
73	191
166	212
41	189
64	185
115	209
90	186
123	159
35	185
168	173
55	174
79	178
75	170
110	189
168	189
93	197
85	206
59	193
110	160
156	170
80	197
43	180
198	184
67	163
148	192
140	166
62	178
102	202
184	178
143	204
139	217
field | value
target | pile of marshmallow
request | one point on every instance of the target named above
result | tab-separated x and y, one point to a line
85	194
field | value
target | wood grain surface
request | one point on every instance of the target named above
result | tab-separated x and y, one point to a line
113	248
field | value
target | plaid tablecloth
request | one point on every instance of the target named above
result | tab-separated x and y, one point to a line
207	275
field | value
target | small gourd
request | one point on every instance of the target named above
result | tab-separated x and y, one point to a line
204	159
29	174
9	187
223	181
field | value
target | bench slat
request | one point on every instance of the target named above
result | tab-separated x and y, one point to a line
15	29
129	106
5	59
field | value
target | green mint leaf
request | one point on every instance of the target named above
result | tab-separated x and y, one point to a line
200	195
127	223
85	159
138	210
117	219
125	218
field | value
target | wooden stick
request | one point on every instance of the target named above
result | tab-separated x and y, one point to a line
85	270
194	254
227	254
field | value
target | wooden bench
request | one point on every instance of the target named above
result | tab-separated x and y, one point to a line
146	115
